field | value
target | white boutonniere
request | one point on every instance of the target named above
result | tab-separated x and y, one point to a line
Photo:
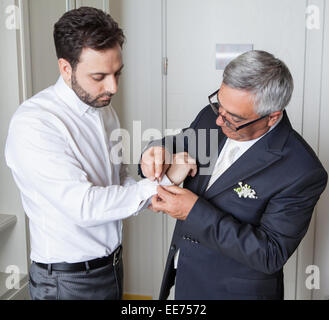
245	191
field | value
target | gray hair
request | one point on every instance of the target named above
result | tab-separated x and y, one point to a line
267	77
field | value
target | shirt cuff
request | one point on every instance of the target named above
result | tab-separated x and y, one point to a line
166	182
148	189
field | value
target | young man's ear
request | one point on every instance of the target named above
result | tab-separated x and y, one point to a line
65	70
274	117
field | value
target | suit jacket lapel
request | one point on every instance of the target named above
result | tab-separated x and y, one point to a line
261	155
251	162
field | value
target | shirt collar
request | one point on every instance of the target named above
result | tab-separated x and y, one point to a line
69	97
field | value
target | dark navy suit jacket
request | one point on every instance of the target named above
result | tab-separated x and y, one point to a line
235	248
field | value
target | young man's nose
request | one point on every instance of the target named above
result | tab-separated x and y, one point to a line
112	85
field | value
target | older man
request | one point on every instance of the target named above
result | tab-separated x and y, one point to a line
238	223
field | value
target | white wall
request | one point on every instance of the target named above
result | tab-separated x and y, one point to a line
13	240
321	248
43	15
140	99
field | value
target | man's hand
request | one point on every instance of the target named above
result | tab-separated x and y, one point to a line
155	163
182	166
175	201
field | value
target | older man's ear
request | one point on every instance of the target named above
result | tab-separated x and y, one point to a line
274	117
182	166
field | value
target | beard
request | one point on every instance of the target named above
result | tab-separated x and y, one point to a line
87	98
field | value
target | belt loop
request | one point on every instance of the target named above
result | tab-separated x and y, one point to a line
117	256
87	267
49	269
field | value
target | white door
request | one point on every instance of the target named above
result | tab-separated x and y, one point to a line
193	29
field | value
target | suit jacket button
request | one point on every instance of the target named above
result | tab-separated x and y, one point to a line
173	248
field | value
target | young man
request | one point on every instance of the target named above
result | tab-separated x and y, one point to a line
59	151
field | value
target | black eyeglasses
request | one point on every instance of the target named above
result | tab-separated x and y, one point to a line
215	105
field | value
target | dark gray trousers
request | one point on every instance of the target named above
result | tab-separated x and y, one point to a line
105	283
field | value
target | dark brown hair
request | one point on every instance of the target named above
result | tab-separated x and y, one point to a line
85	27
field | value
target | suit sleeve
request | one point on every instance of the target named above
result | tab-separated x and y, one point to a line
185	141
267	246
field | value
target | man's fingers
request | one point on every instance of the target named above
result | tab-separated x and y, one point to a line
180	158
191	160
159	157
157	204
147	164
153	204
157	170
183	158
164	171
164	193
193	171
172	190
148	171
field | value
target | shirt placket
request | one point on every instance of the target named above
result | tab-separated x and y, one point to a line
110	172
106	145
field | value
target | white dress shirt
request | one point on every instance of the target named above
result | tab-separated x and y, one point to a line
225	160
59	152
